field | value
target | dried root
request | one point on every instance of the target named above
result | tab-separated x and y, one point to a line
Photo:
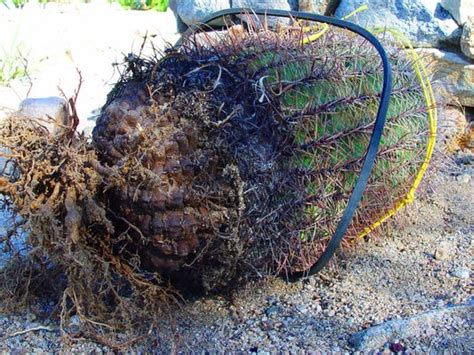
54	184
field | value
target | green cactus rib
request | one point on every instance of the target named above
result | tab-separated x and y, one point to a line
332	98
327	92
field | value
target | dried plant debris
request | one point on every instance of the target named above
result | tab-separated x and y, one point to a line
228	158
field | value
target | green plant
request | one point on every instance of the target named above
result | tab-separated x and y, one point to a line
13	64
158	5
11	68
18	3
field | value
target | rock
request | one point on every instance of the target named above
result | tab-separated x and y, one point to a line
273	310
467	38
180	25
459	9
461	273
194	11
265	4
444	251
424	22
453	72
322	7
375	337
54	110
467	139
294	5
451	132
397	347
463	178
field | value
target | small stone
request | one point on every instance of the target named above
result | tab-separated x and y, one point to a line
461	273
444	251
467	38
31	317
378	335
74	320
273	310
397	347
464	158
302	309
430	332
53	111
463	178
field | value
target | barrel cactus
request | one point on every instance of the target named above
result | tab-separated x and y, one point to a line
240	151
230	157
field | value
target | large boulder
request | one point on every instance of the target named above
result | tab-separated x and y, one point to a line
194	11
266	4
453	73
263	4
467	38
322	7
424	22
459	9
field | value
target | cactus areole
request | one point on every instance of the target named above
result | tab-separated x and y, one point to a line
370	156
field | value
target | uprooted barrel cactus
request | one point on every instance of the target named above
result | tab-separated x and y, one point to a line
232	156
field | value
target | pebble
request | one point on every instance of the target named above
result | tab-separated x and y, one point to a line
461	272
445	250
273	310
463	178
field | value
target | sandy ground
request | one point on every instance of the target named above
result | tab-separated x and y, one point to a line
420	262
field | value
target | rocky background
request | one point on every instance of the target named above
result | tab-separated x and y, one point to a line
442	30
410	290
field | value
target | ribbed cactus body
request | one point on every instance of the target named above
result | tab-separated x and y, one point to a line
240	153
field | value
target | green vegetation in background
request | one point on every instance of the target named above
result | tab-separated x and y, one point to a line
11	68
18	3
12	62
158	5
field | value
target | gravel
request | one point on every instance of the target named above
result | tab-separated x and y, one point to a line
396	277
